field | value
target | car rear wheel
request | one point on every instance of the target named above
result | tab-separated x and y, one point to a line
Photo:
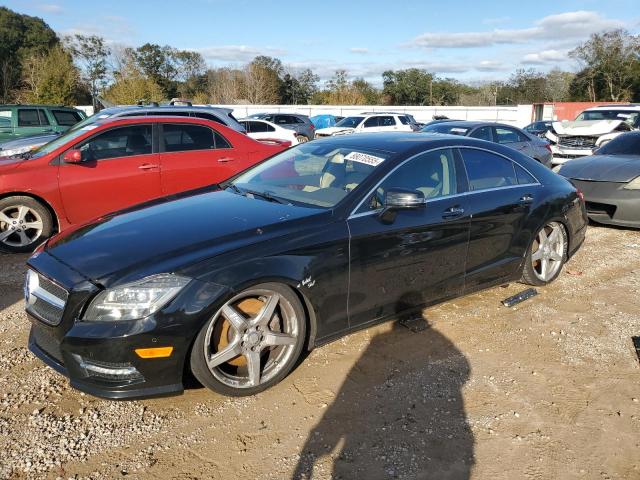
252	342
24	224
302	138
547	255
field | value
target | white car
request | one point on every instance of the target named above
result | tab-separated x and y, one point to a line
591	129
264	130
369	122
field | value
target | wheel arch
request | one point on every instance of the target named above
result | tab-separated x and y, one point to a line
39	199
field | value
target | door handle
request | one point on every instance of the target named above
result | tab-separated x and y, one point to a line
453	212
526	199
225	159
148	166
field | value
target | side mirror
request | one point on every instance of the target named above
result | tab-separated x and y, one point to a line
401	198
72	156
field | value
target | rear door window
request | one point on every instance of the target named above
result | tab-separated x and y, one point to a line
66	118
482	133
386	121
505	135
183	138
524	177
371	122
42	116
404	120
487	170
28	117
118	142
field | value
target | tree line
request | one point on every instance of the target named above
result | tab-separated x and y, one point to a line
38	66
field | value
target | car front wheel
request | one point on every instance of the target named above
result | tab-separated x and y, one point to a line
252	342
546	256
302	138
24	224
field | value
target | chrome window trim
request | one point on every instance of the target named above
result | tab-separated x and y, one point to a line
375	187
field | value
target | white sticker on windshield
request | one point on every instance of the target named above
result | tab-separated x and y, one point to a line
364	158
458	130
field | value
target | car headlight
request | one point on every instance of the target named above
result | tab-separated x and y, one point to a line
556	168
633	184
15	151
135	300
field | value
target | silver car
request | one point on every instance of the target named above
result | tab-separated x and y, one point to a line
531	145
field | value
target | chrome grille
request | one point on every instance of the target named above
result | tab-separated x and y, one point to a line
44	299
577	142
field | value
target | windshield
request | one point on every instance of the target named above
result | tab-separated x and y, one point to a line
71	135
445	128
626	144
350	122
311	174
629	117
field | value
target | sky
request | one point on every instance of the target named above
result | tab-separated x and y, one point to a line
472	41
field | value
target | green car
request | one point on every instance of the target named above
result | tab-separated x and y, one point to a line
18	121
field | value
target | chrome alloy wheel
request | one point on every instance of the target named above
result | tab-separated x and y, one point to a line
548	251
251	338
19	226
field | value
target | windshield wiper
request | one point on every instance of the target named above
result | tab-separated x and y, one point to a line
267	196
233	187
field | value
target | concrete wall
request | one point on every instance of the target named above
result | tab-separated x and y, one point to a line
518	115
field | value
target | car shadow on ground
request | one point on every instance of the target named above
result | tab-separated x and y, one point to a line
399	413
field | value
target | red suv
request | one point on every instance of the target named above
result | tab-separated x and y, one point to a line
112	164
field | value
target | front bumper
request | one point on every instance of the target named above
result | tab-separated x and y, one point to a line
562	155
99	358
609	203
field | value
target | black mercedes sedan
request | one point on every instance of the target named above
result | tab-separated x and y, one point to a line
234	282
610	180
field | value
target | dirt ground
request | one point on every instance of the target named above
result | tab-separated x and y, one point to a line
549	389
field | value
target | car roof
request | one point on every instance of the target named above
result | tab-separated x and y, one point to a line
625	106
155	119
32	105
161	108
473	124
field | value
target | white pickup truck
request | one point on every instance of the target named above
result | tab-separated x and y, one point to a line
590	130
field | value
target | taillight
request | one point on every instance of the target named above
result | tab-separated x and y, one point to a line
580	194
313	127
547	146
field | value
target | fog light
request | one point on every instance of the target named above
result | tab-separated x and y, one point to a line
158	352
108	371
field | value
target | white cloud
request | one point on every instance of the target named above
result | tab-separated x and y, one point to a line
545	56
576	25
113	29
237	53
359	50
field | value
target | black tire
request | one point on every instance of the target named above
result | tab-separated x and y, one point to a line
10	203
529	275
203	374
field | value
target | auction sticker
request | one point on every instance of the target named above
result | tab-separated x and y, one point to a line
364	158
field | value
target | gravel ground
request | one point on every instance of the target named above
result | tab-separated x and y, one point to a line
547	389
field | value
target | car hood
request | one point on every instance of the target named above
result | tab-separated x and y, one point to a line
603	168
167	236
335	130
9	163
586	127
35	140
